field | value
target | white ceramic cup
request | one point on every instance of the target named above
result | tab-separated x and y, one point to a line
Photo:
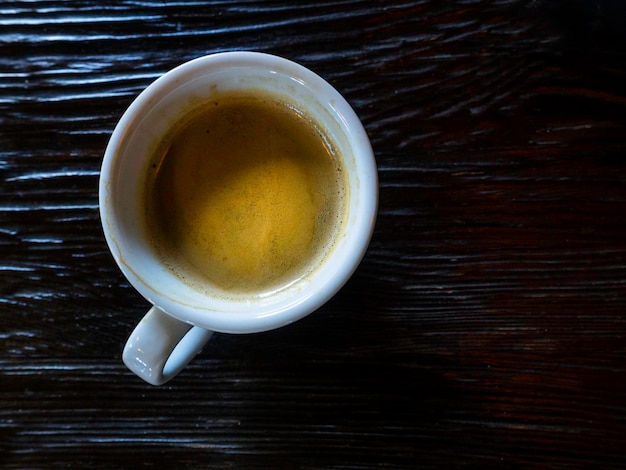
182	318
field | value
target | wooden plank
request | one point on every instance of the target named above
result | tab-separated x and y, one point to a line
485	326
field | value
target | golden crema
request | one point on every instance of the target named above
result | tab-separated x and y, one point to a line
246	194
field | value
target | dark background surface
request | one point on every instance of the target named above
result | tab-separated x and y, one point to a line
486	325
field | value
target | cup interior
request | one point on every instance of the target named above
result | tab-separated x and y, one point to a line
140	131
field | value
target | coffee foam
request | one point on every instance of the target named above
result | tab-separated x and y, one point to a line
332	216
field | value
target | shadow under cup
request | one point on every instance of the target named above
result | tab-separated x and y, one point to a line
139	134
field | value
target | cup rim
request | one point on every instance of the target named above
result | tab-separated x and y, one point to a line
252	316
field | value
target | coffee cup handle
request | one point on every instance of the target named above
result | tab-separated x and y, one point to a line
160	346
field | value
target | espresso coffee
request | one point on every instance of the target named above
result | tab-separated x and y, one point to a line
246	194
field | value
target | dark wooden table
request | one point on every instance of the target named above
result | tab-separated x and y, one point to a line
486	326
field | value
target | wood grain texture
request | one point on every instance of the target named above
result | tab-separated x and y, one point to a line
486	325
